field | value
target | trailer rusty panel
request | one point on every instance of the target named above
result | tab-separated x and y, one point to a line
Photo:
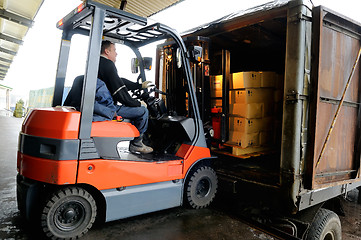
336	42
338	157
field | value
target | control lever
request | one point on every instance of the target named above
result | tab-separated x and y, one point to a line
155	89
159	91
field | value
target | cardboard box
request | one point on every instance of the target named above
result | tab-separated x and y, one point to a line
268	109
250	125
244	139
266	138
246	80
252	110
252	95
268	79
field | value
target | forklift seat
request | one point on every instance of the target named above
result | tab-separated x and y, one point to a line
114	129
75	94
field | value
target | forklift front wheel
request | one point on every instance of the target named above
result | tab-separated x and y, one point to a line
68	213
201	187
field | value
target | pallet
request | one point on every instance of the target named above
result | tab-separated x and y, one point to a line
248	152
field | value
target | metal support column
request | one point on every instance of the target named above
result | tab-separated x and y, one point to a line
226	72
61	71
91	74
293	110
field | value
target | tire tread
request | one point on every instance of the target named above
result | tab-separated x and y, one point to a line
322	218
192	180
59	195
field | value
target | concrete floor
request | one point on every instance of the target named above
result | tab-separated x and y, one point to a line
173	224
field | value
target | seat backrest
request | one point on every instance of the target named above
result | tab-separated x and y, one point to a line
74	99
74	96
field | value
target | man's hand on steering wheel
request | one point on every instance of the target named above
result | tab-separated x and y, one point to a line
138	93
141	93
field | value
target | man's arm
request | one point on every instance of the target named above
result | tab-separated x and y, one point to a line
118	89
131	85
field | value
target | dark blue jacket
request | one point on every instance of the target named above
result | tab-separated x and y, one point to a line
104	108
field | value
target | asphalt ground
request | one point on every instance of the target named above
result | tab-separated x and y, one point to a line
173	224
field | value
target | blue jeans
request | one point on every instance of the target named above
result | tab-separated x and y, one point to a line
137	115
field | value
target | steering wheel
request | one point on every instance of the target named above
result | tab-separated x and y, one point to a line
137	93
143	94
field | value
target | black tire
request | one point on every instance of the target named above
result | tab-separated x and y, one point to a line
68	213
325	226
201	187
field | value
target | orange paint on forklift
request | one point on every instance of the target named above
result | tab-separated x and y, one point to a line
195	154
64	124
47	170
107	174
56	122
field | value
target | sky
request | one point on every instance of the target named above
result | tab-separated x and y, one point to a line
34	67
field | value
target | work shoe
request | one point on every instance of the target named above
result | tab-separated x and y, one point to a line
139	148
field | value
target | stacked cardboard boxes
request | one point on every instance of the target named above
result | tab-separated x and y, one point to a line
251	108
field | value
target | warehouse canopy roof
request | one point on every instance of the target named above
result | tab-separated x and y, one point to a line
17	16
5	87
140	7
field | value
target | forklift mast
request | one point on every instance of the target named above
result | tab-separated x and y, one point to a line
176	87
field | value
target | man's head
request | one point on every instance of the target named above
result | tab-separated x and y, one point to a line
108	50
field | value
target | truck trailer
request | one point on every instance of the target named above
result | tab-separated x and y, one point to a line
278	89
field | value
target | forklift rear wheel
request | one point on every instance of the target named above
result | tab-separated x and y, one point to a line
201	187
325	226
68	214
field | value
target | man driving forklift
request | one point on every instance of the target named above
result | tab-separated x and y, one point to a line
130	108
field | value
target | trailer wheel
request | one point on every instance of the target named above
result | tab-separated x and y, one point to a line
201	187
68	213
325	226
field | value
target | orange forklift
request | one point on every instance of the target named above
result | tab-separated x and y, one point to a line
73	172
